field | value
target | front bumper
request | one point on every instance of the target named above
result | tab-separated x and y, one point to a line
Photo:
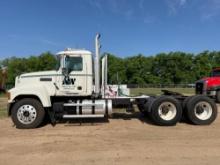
208	93
201	89
211	93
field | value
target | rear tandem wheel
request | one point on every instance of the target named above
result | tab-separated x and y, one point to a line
201	110
166	111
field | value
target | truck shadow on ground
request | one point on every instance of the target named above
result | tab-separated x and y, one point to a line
99	121
83	121
115	116
134	115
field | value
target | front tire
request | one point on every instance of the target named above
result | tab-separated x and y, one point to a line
27	113
166	111
201	110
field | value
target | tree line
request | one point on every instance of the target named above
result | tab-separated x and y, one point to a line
16	66
163	68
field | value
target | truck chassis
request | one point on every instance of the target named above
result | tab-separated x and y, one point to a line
165	110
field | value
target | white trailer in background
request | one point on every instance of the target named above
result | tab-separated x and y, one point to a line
74	91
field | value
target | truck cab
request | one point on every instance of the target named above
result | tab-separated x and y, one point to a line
77	79
210	85
73	78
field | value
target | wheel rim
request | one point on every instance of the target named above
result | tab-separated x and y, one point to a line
203	110
26	114
167	111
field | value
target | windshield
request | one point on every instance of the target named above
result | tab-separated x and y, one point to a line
74	63
215	73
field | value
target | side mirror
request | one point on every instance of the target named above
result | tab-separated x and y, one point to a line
64	71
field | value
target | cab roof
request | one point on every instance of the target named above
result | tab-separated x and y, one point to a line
70	51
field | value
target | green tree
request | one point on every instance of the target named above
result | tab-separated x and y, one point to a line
116	70
47	61
17	66
138	69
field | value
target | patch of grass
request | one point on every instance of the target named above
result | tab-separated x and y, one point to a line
157	91
3	106
3	113
2	95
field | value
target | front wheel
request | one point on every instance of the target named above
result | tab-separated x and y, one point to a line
166	111
27	113
201	110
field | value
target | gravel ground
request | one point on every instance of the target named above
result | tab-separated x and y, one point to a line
124	139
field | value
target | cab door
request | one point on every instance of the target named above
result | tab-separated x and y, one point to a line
74	83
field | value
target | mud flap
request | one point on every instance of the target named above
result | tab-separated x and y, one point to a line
52	118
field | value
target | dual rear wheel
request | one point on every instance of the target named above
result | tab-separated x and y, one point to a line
166	111
200	110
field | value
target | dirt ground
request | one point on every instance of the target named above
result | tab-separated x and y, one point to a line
125	139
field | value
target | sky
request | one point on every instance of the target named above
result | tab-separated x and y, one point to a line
128	27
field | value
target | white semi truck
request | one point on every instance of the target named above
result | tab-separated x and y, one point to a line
78	89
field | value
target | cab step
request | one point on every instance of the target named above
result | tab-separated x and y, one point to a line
83	116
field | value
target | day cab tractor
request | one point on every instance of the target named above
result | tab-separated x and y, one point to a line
210	86
80	89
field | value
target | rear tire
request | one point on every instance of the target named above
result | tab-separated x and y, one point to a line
184	104
142	111
166	111
201	110
27	113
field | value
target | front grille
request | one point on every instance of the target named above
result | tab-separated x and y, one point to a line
199	87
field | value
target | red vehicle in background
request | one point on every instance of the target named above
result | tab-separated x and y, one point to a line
210	86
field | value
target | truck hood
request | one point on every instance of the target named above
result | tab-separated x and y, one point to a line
35	78
39	74
210	78
210	81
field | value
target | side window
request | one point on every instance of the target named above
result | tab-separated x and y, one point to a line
75	63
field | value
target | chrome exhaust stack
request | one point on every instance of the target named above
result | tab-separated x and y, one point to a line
97	65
